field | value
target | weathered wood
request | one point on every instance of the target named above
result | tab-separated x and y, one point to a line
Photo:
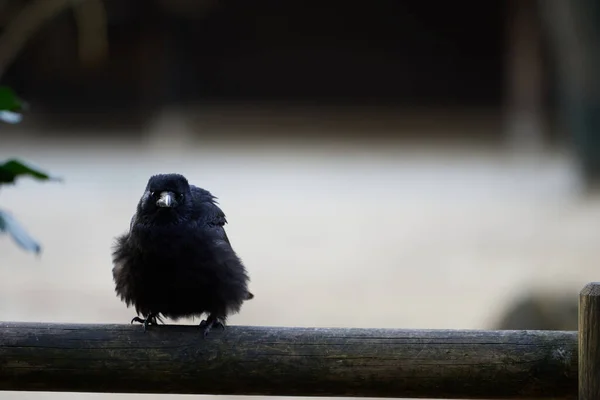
289	361
589	342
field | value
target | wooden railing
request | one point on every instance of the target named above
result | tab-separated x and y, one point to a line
274	361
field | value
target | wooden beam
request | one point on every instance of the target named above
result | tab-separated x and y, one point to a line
289	361
589	340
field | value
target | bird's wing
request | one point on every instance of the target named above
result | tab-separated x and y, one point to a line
210	216
208	213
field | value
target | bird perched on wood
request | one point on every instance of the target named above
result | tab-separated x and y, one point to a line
176	261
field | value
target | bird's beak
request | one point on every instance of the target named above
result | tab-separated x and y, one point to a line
167	199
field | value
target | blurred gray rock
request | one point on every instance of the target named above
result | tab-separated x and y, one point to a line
541	311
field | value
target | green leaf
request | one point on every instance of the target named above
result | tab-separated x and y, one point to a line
9	100
14	168
8	224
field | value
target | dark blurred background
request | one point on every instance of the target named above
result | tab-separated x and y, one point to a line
409	164
401	54
464	57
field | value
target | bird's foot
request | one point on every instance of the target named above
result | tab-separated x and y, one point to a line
210	323
150	320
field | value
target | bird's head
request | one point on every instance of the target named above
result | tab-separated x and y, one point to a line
166	195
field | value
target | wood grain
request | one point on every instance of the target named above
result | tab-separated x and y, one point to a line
288	361
589	340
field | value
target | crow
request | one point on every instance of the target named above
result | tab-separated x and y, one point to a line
176	260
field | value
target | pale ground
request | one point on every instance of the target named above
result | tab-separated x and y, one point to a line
333	235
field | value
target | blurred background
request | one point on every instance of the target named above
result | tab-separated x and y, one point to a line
392	164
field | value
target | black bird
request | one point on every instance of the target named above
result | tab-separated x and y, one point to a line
176	261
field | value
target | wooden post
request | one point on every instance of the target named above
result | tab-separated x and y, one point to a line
589	342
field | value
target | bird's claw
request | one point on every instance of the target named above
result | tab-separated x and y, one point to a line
150	320
209	324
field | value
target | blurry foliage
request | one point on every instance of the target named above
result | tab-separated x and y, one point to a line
19	28
9	172
8	99
13	169
10	105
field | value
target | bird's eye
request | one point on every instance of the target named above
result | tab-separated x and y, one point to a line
153	194
180	197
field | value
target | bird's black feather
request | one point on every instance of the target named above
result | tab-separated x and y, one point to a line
177	261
